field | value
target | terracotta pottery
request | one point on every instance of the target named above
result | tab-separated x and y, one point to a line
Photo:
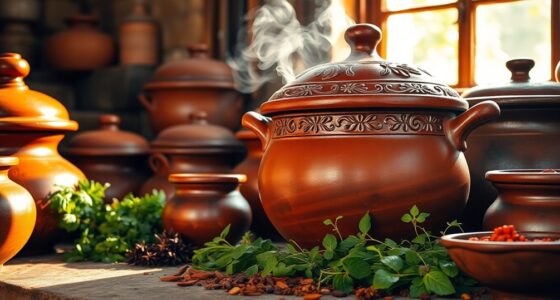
139	37
525	136
17	213
111	155
363	135
514	271
198	83
197	147
20	10
31	127
528	199
204	204
261	225
82	47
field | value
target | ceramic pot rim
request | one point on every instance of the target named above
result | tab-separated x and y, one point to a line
36	124
524	176
7	161
190	82
206	178
460	240
519	101
106	152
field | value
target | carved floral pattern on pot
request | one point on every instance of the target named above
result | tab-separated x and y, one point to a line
364	88
358	123
331	71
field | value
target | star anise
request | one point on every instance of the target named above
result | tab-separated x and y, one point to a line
168	250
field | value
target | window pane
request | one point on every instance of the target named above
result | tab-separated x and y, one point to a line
404	4
428	40
512	30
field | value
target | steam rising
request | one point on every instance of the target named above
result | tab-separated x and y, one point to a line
281	46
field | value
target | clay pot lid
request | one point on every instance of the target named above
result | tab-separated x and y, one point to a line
363	80
207	178
198	134
22	109
197	71
528	176
8	161
520	91
107	140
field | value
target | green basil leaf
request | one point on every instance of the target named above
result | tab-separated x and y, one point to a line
329	242
328	222
394	262
407	218
343	282
252	270
419	239
225	232
365	223
348	243
438	283
417	290
411	257
328	255
390	243
422	217
356	267
414	211
383	279
449	268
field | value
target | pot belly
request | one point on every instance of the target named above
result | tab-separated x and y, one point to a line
304	181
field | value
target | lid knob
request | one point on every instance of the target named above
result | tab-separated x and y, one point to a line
13	68
200	117
109	122
520	68
198	50
363	40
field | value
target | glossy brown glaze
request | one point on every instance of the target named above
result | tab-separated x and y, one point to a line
197	147
17	213
363	135
528	199
139	37
204	204
111	155
196	84
518	270
81	47
525	136
31	127
261	225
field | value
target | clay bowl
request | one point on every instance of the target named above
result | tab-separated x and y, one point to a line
518	270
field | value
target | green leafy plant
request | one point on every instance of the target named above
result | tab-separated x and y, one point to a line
106	231
420	265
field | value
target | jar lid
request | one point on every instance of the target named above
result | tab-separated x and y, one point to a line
207	178
364	80
198	135
520	91
107	140
22	109
528	176
197	71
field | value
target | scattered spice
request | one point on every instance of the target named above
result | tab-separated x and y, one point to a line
507	233
168	250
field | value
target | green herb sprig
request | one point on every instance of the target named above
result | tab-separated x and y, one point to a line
420	265
106	231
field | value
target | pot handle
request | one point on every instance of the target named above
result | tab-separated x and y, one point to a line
259	124
159	163
459	128
145	101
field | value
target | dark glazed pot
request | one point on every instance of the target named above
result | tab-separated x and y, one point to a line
139	37
525	136
111	155
204	204
261	225
197	147
363	135
82	47
528	199
191	85
31	127
17	213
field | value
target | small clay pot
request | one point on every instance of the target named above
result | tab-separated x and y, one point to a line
111	155
191	85
17	213
197	147
31	127
82	47
261	225
139	37
204	204
528	199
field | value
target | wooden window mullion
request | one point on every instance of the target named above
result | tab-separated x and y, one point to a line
466	43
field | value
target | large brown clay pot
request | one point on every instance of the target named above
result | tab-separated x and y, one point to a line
197	147
31	127
17	213
363	135
198	83
525	136
261	225
528	199
82	47
111	155
204	204
139	37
